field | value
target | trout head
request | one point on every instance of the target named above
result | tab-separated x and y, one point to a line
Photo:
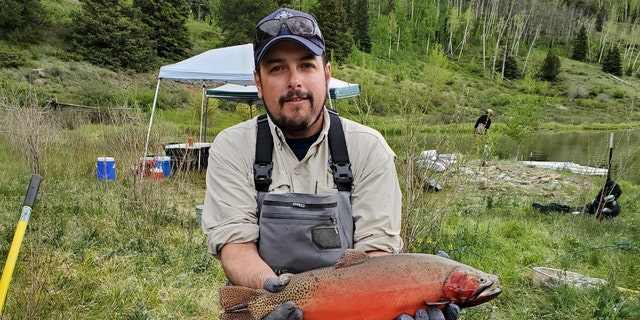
468	287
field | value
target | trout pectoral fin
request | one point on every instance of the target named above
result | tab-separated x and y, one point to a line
351	257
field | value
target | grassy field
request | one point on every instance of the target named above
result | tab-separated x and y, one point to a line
132	249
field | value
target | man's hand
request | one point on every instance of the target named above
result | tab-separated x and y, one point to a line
287	310
451	312
276	284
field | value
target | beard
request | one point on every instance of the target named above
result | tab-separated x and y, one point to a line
287	124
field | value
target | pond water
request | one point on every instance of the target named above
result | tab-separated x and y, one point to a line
587	148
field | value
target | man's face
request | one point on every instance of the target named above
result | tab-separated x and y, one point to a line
293	83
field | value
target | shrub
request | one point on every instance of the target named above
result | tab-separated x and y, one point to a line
11	58
618	94
591	104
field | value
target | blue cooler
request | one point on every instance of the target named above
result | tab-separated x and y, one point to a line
106	168
164	163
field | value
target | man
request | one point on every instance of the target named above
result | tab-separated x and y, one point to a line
483	123
252	232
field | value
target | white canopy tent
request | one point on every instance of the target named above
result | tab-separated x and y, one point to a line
232	66
248	94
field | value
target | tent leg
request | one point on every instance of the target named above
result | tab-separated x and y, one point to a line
206	118
153	110
360	110
202	112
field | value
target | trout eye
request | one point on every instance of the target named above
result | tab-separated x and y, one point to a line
483	280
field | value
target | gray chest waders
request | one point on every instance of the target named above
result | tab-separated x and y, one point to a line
300	232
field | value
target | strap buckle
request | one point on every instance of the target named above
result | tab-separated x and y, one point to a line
342	175
262	175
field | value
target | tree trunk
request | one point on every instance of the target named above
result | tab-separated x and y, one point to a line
533	42
503	30
466	32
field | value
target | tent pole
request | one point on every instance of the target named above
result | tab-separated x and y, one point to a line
153	110
360	109
202	112
206	117
204	90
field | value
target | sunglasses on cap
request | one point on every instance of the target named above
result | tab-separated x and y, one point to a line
298	26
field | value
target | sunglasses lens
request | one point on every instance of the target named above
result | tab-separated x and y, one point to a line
268	29
301	26
298	26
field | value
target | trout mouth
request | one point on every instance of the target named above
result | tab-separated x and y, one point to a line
484	294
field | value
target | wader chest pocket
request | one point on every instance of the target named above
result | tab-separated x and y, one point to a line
302	233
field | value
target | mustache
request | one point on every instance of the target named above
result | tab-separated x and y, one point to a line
296	94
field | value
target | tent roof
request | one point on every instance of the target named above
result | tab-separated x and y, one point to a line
227	65
338	89
234	65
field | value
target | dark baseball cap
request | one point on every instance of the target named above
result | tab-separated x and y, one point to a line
286	23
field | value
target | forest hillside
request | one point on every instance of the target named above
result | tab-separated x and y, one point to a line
565	62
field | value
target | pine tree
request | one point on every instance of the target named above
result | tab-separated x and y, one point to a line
360	21
581	45
600	20
22	20
238	19
332	18
550	67
168	20
611	62
511	70
111	34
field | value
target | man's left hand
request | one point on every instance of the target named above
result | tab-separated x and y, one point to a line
274	284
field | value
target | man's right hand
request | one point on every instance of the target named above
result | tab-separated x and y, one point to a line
287	310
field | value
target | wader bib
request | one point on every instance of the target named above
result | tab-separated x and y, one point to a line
300	232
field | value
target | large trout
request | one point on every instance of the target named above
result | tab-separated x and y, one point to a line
360	287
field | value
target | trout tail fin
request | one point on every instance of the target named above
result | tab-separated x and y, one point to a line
235	300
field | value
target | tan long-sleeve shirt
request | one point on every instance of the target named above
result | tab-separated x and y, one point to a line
229	213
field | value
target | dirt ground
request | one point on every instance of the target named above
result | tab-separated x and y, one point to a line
511	178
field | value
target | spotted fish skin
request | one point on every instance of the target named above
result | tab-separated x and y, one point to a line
363	287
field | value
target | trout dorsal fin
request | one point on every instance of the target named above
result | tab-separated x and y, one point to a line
351	257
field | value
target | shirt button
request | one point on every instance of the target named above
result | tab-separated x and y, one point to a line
297	172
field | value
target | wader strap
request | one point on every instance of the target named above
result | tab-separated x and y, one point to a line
342	174
263	165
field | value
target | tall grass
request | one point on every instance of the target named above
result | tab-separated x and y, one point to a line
132	249
124	249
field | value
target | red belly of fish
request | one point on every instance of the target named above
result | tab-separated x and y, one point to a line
380	298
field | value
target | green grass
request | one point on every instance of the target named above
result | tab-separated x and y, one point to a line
131	248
